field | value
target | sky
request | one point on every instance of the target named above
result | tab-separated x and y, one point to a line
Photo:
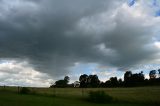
42	41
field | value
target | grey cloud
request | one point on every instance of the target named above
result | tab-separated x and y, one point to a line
47	35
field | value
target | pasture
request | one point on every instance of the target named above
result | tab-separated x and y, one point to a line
138	96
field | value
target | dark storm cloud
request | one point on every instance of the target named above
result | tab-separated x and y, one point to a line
54	34
132	42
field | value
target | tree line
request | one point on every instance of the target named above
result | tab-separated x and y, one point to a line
130	80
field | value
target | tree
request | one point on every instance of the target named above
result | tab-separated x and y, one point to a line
83	80
127	76
66	79
108	83
62	83
93	81
137	77
89	81
114	81
120	82
152	74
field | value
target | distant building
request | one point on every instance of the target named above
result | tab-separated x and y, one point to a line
76	84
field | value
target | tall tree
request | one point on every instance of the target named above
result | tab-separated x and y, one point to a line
93	81
127	76
83	79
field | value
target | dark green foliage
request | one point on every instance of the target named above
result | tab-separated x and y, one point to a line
114	81
127	76
99	97
93	81
136	79
90	81
62	83
83	80
25	90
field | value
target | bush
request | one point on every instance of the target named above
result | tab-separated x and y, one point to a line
25	90
99	97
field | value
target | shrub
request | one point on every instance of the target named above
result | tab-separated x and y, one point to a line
25	90
99	97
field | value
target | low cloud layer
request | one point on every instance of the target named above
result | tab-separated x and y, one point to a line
15	73
51	35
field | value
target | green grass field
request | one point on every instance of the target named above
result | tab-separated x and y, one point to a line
139	96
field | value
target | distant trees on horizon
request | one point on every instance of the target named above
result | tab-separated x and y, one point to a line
130	80
61	83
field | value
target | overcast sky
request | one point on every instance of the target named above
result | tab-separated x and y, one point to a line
43	40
